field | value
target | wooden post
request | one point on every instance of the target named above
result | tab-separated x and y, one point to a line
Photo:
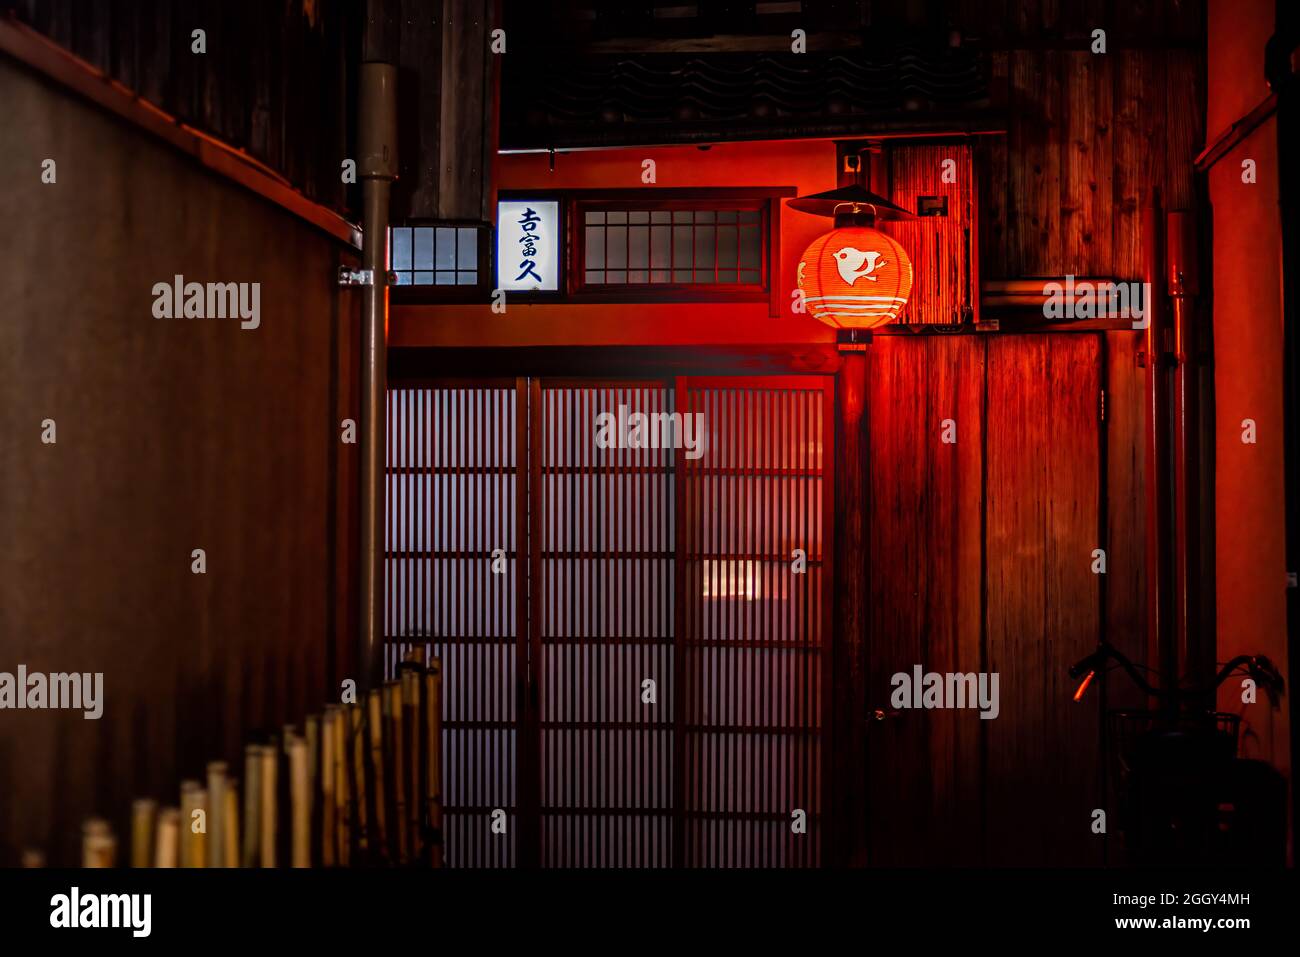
848	799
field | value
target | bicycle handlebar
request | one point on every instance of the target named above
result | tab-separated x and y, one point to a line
1257	666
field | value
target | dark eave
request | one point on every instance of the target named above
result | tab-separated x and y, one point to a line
686	98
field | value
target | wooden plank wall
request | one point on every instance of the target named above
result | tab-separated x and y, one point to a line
276	79
1091	138
1042	461
448	141
981	558
923	768
938	245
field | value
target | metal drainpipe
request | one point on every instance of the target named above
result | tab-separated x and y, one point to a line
377	166
1162	649
1189	631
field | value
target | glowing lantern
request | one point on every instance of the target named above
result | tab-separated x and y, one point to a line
855	277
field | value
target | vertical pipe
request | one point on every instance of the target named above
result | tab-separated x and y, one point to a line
1191	635
1162	649
377	166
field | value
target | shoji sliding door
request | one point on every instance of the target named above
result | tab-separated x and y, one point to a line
452	582
754	629
602	640
642	680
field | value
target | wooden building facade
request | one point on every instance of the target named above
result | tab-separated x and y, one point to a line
980	501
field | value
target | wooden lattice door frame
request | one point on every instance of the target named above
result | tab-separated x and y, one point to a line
517	718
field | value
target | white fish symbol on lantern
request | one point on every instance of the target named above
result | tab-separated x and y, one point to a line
851	264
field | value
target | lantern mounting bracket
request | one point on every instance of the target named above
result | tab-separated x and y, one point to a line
852	340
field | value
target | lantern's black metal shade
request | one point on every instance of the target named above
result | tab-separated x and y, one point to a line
854	198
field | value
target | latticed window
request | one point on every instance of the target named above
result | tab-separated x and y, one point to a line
680	243
435	255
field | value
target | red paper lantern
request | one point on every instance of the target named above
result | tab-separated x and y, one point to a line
855	277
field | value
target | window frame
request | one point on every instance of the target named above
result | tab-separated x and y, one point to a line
573	204
434	294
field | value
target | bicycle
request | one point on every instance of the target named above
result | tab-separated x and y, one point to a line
1185	797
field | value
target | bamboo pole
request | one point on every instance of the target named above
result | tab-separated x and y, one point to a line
356	732
414	792
433	722
230	824
189	805
328	835
296	748
393	723
376	721
167	840
266	812
144	817
98	845
216	841
252	804
342	795
200	848
313	735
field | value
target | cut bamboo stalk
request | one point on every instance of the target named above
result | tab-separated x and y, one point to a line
144	821
313	724
98	845
266	812
252	804
414	792
285	803
361	822
188	807
300	853
433	722
328	828
375	714
217	811
393	722
200	850
33	858
342	795
167	840
230	823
